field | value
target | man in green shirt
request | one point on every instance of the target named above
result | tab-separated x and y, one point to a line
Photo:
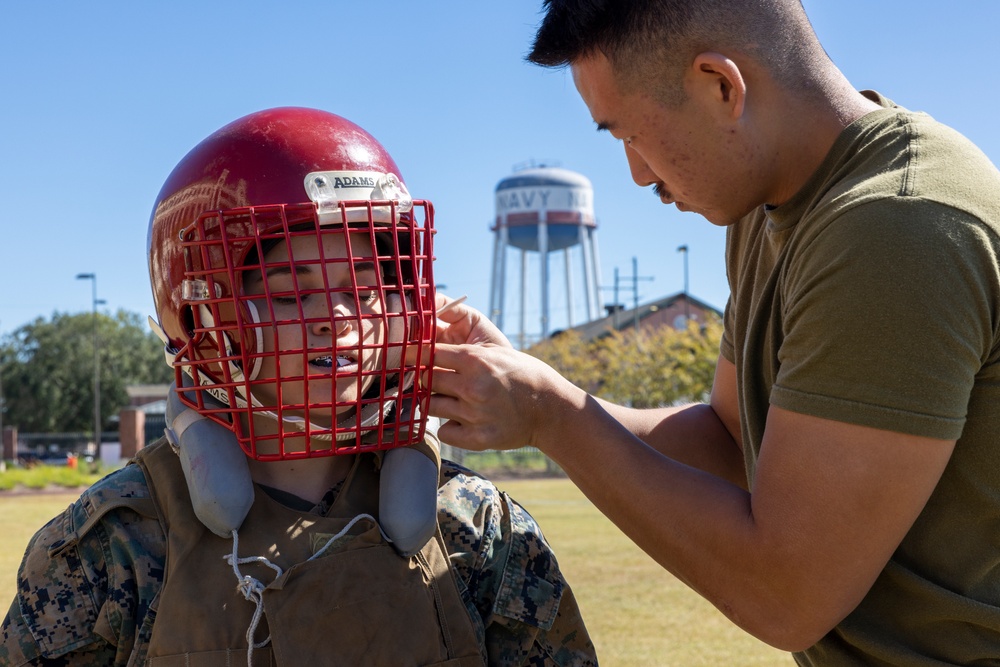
839	495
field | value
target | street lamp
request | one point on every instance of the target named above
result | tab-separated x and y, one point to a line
687	299
92	277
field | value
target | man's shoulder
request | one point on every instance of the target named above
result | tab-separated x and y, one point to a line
911	160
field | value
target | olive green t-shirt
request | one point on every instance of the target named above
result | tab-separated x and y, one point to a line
873	297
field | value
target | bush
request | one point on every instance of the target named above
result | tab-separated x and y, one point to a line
651	368
43	476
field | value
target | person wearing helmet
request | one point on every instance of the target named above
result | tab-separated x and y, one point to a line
297	511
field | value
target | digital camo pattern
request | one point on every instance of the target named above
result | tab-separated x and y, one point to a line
87	595
85	599
528	609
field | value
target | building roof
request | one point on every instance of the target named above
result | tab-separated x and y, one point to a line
147	390
625	318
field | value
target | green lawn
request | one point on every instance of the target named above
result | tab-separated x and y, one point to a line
638	615
20	517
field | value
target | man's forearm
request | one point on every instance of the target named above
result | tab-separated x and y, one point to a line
690	434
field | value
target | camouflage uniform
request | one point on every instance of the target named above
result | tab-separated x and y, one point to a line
90	575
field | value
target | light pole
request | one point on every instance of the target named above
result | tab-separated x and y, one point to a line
92	277
687	300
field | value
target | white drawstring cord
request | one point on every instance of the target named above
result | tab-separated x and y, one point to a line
253	590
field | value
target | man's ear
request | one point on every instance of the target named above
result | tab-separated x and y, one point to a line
719	81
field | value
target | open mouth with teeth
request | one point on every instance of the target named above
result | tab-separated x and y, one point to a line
327	362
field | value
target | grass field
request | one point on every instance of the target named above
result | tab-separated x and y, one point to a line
638	615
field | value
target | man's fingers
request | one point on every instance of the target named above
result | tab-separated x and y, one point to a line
444	407
453	357
449	310
447	382
454	429
417	355
445	356
467	436
459	323
454	433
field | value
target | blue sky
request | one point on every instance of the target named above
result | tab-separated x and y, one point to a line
98	101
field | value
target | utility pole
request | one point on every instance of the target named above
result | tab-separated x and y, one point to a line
635	292
635	278
687	298
614	303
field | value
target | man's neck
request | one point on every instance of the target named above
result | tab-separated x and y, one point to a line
806	132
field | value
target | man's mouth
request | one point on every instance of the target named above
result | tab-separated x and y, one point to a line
661	192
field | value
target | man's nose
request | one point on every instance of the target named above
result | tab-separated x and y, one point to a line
641	173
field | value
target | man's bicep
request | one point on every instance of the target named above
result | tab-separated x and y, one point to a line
706	437
839	498
725	398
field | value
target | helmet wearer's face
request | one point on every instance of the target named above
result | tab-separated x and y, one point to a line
319	299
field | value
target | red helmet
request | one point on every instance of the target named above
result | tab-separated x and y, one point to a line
292	274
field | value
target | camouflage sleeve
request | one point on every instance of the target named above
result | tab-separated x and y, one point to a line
528	611
85	582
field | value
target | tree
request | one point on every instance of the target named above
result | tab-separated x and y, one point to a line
48	369
574	358
651	368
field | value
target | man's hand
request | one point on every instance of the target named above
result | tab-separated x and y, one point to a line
459	324
493	396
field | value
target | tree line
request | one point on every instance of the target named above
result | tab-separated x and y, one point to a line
47	369
642	369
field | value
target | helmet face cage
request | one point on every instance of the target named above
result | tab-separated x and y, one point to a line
301	321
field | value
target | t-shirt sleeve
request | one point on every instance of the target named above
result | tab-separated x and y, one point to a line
888	316
726	342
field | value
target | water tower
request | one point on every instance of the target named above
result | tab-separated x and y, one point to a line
544	210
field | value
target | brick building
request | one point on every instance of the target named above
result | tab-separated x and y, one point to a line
673	311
